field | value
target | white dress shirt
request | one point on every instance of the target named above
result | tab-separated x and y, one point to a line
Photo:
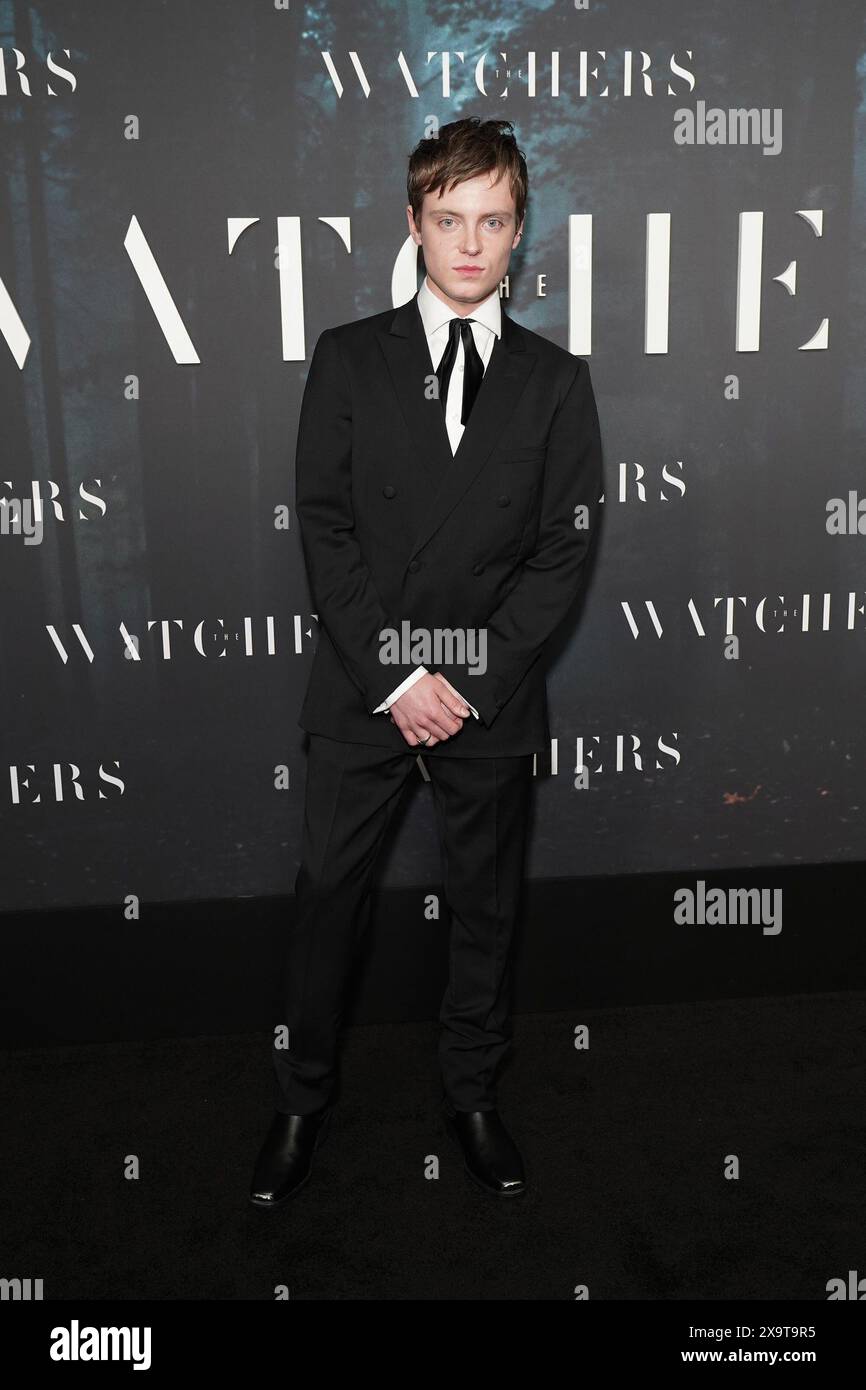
486	328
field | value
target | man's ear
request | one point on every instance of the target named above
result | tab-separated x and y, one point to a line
410	218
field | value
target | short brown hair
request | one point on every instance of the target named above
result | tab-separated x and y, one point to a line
462	150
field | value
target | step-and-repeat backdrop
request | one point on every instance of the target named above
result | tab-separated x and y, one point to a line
190	192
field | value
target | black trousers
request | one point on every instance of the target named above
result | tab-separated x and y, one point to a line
482	807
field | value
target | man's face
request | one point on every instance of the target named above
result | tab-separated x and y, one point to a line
467	234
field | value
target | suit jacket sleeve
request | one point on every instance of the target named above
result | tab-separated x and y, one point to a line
551	578
348	606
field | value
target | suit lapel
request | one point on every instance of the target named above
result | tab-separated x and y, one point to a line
447	477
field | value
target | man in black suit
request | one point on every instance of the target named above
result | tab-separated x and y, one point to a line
448	477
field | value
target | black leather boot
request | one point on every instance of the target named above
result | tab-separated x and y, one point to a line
490	1154
285	1162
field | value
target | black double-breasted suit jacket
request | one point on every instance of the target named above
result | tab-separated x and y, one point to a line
401	537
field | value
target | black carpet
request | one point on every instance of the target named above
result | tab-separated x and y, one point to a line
625	1146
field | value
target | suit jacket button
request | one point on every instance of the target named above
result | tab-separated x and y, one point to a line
389	491
504	500
414	566
478	569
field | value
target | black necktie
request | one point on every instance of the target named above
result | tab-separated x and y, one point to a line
473	367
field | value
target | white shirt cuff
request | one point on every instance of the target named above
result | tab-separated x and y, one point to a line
401	689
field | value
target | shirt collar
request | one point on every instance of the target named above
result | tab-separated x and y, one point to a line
434	313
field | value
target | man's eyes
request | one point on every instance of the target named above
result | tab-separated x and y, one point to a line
448	222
